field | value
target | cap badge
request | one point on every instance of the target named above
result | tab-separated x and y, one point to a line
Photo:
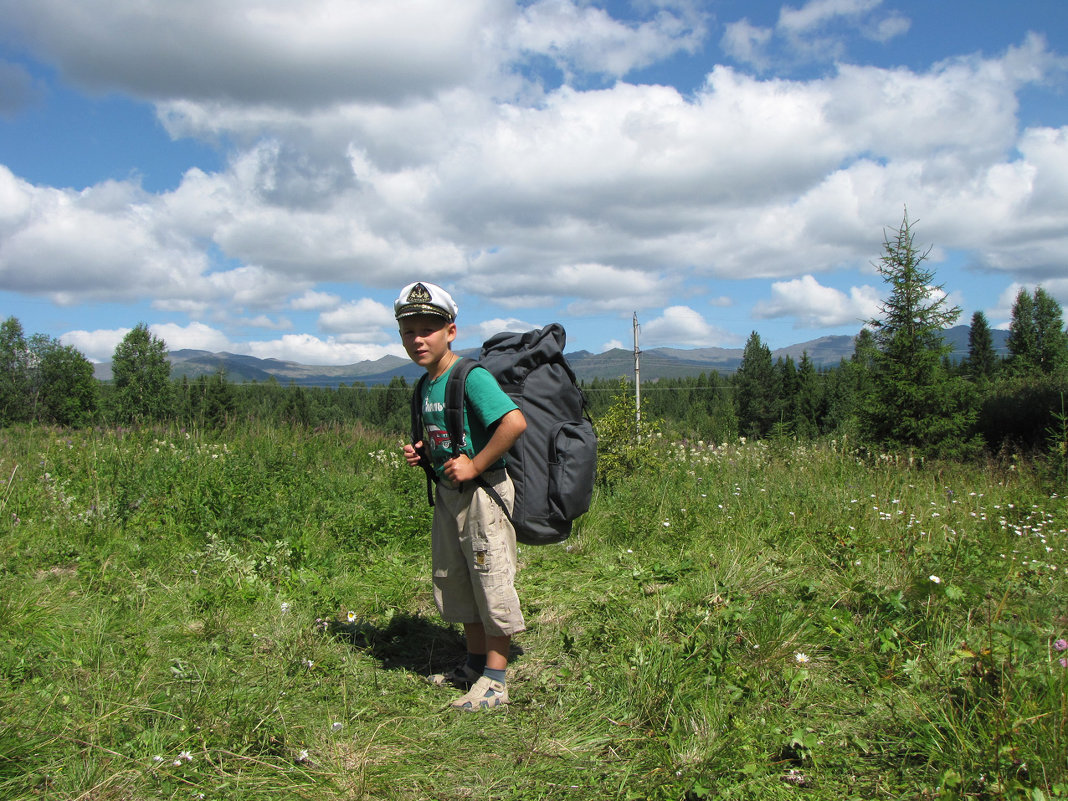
419	294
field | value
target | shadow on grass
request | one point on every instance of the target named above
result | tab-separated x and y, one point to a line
409	642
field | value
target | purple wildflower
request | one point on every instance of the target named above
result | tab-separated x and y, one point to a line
1060	645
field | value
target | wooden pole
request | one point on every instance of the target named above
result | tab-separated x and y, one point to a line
637	380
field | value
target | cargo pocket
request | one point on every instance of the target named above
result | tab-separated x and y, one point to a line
481	557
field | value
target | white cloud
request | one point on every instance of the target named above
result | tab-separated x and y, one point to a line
816	13
746	42
585	38
101	243
681	325
307	349
250	52
889	28
488	328
816	306
97	346
266	321
817	31
195	336
315	301
360	321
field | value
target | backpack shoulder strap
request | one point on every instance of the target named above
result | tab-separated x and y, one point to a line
417	435
417	409
454	418
455	389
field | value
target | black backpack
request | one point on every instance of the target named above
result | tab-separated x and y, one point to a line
553	464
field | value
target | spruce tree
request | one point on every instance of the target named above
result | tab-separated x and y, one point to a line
219	401
1038	344
809	402
914	402
756	389
982	360
1052	342
786	407
1023	336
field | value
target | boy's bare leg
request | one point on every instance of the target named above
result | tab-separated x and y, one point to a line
495	648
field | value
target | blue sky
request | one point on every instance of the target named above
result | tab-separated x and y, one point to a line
261	177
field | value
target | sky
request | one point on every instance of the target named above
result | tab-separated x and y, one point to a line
261	177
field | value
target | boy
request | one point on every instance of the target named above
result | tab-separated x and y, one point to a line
472	540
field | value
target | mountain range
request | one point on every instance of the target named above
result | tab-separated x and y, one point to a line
613	364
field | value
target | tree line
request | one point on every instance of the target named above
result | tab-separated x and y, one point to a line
899	389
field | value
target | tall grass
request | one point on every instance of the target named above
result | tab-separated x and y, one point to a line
249	615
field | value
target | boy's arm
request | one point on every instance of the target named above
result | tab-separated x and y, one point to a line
508	429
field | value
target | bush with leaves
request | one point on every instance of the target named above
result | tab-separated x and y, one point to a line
142	377
624	445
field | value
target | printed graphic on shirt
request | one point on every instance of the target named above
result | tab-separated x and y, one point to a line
439	437
440	440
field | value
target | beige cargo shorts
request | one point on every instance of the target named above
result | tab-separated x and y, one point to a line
474	556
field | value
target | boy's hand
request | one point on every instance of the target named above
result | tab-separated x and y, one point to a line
506	431
412	453
460	469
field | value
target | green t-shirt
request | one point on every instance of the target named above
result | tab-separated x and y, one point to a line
486	403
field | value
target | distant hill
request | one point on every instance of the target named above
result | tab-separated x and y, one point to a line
655	363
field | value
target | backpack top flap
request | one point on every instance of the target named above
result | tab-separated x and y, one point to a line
511	357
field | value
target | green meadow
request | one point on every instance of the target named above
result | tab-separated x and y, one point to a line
249	615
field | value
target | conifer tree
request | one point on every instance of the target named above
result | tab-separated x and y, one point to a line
756	389
1037	341
914	402
982	360
219	401
1052	342
807	407
1023	337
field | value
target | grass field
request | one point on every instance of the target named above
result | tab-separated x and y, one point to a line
250	616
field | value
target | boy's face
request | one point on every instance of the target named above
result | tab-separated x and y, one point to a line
426	339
